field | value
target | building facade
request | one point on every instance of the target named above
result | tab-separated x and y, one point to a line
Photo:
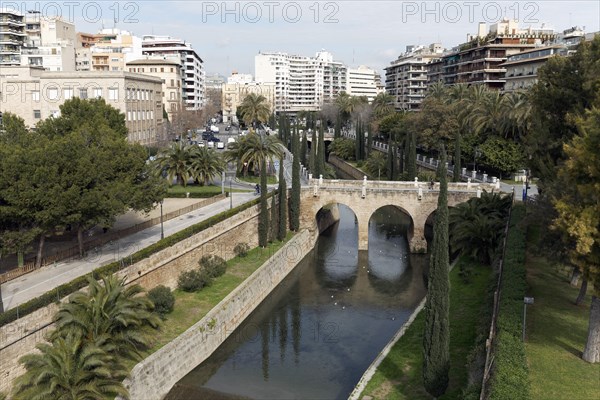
50	43
169	72
12	36
35	94
234	94
522	68
108	50
363	81
192	68
406	78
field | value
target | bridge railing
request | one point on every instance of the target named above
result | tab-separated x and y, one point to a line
357	185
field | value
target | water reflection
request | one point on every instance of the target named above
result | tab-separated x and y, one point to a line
317	332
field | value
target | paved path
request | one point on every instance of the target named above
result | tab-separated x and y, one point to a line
31	285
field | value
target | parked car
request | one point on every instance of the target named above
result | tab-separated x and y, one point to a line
230	142
214	128
201	144
207	136
214	139
220	145
210	145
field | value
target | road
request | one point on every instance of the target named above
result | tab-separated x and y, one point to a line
31	285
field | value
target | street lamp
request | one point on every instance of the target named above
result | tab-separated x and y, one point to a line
245	169
162	231
230	195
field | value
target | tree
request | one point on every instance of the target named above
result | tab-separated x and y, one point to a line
376	164
457	166
295	196
254	109
303	148
175	163
274	225
391	162
205	164
337	133
263	217
436	338
282	225
578	207
312	162
502	155
320	161
411	156
383	105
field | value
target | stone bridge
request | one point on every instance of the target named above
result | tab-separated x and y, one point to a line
415	199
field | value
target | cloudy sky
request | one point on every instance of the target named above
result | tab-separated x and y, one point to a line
227	35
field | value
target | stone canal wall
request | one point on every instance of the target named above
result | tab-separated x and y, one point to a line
154	377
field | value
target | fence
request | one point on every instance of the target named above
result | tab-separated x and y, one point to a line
488	343
73	251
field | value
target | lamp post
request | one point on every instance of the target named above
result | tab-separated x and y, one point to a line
230	195
526	300
162	231
245	169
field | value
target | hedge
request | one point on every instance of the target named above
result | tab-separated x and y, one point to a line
79	283
510	375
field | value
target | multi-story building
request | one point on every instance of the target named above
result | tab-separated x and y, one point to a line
35	94
406	78
363	81
50	43
479	60
240	79
12	36
434	71
301	83
108	50
521	68
169	72
192	69
234	94
214	81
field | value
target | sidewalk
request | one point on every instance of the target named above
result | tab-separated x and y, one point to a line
31	285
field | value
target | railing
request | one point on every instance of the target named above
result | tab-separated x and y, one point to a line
73	251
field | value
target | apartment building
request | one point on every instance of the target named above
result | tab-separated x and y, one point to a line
50	43
406	78
192	68
301	83
234	93
35	94
479	61
12	36
363	81
108	50
169	72
521	69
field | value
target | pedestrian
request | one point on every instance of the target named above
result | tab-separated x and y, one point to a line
257	189
431	184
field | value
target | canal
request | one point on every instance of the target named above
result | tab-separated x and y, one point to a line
318	331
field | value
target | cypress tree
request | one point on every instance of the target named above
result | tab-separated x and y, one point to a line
273	222
390	161
337	133
357	150
369	144
272	121
436	338
282	224
320	162
263	217
281	127
313	154
457	165
400	156
303	148
295	197
411	156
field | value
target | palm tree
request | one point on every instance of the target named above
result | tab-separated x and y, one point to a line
111	314
260	148
383	104
488	115
478	237
174	162
437	90
255	109
205	164
70	368
517	113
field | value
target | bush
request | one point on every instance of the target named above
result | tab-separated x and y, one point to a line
214	266
163	299
241	249
193	280
359	164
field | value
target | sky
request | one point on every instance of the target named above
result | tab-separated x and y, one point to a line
227	35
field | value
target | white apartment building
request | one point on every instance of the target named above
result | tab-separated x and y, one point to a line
363	81
240	79
12	36
50	43
169	72
192	69
406	77
108	50
35	94
301	83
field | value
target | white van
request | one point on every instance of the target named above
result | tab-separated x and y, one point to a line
220	145
210	144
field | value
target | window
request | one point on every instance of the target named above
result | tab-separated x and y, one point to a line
97	92
138	94
83	93
37	114
52	93
115	68
172	82
139	116
162	70
35	95
113	94
68	93
172	70
128	115
173	96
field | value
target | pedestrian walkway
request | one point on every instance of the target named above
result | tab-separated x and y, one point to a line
27	287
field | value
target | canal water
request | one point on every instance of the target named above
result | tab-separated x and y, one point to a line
318	331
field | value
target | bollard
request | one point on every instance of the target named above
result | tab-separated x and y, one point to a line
416	181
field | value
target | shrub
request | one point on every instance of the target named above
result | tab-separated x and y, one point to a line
193	280
214	266
163	299
359	164
241	249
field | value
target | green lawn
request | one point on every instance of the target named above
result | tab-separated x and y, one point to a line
400	375
197	189
271	179
556	335
192	307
